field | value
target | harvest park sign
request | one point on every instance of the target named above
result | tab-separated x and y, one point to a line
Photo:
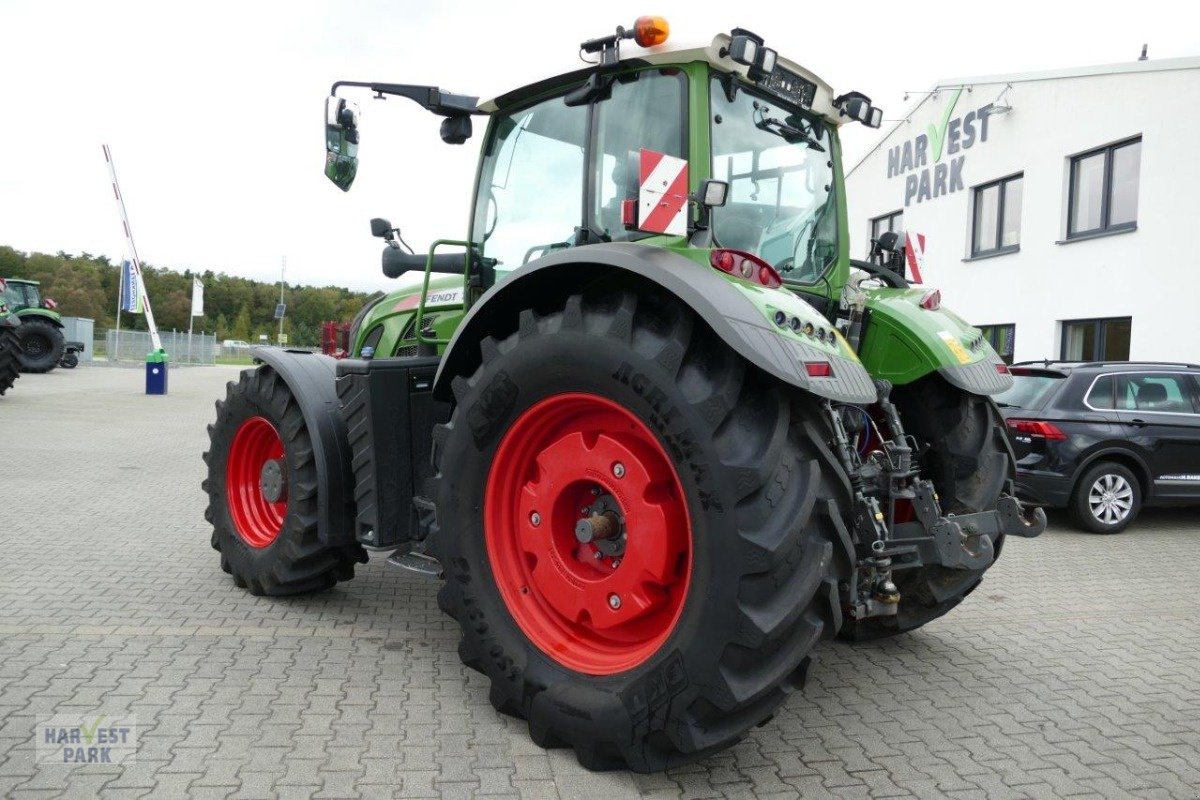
920	159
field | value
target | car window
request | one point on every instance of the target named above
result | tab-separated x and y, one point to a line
1101	393
1028	390
1163	393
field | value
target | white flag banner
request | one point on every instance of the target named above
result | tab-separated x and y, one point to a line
197	298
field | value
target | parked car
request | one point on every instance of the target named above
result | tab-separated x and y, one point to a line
1104	439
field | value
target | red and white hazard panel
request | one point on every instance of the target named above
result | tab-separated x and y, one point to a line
662	193
914	253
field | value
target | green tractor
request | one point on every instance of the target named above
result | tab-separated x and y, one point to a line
10	342
643	423
41	328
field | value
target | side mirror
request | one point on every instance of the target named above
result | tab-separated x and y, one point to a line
341	142
381	228
457	129
890	241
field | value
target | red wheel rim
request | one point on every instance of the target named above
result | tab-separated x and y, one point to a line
565	454
255	518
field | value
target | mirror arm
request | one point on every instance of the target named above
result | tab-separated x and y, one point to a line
430	98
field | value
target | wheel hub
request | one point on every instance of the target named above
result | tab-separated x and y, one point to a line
1110	499
599	581
272	481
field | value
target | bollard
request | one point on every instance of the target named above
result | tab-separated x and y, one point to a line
156	372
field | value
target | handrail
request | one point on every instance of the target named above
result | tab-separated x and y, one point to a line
420	326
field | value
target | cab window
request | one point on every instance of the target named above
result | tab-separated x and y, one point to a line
530	197
645	111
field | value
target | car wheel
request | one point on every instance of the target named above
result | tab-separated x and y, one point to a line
1107	498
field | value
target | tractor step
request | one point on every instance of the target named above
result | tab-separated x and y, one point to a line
423	565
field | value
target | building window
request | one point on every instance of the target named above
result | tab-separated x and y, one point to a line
1096	339
1104	189
893	222
996	227
1002	338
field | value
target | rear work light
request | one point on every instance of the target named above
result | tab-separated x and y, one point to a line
745	265
1038	429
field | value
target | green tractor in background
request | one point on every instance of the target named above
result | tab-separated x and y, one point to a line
642	422
41	331
10	342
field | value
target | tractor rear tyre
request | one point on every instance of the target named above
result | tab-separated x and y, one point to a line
639	531
10	366
964	451
262	493
42	343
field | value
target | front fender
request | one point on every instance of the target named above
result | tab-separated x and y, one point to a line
904	342
311	377
737	311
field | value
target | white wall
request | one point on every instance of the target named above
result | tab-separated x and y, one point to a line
1151	275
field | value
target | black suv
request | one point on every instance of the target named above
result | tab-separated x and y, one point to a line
1101	439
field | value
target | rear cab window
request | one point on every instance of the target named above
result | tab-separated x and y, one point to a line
1031	388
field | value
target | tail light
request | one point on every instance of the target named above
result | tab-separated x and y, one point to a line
745	265
932	301
1003	369
818	369
50	304
1038	429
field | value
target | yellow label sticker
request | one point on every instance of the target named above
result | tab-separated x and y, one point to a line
955	346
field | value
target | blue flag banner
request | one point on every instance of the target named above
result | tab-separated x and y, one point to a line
131	298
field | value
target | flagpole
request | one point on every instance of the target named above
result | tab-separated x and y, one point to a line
120	291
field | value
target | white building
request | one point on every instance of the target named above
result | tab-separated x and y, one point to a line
1060	209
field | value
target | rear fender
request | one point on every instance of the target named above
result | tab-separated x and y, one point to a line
311	378
903	342
51	317
737	311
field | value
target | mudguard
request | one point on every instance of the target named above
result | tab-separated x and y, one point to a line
49	316
311	377
738	312
903	342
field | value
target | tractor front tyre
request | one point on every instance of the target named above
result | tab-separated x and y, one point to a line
10	366
961	439
43	345
262	493
639	531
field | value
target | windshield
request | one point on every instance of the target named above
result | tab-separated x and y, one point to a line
779	165
1028	390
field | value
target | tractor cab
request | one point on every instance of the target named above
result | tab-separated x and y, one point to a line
22	294
725	148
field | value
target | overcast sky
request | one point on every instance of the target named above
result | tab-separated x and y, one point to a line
214	110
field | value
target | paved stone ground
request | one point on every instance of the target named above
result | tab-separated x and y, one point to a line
1072	672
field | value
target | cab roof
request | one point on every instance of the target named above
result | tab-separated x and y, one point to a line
711	53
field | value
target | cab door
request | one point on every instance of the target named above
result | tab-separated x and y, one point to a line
1160	413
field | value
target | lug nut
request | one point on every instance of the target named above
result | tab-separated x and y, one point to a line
614	601
618	470
616	563
535	519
